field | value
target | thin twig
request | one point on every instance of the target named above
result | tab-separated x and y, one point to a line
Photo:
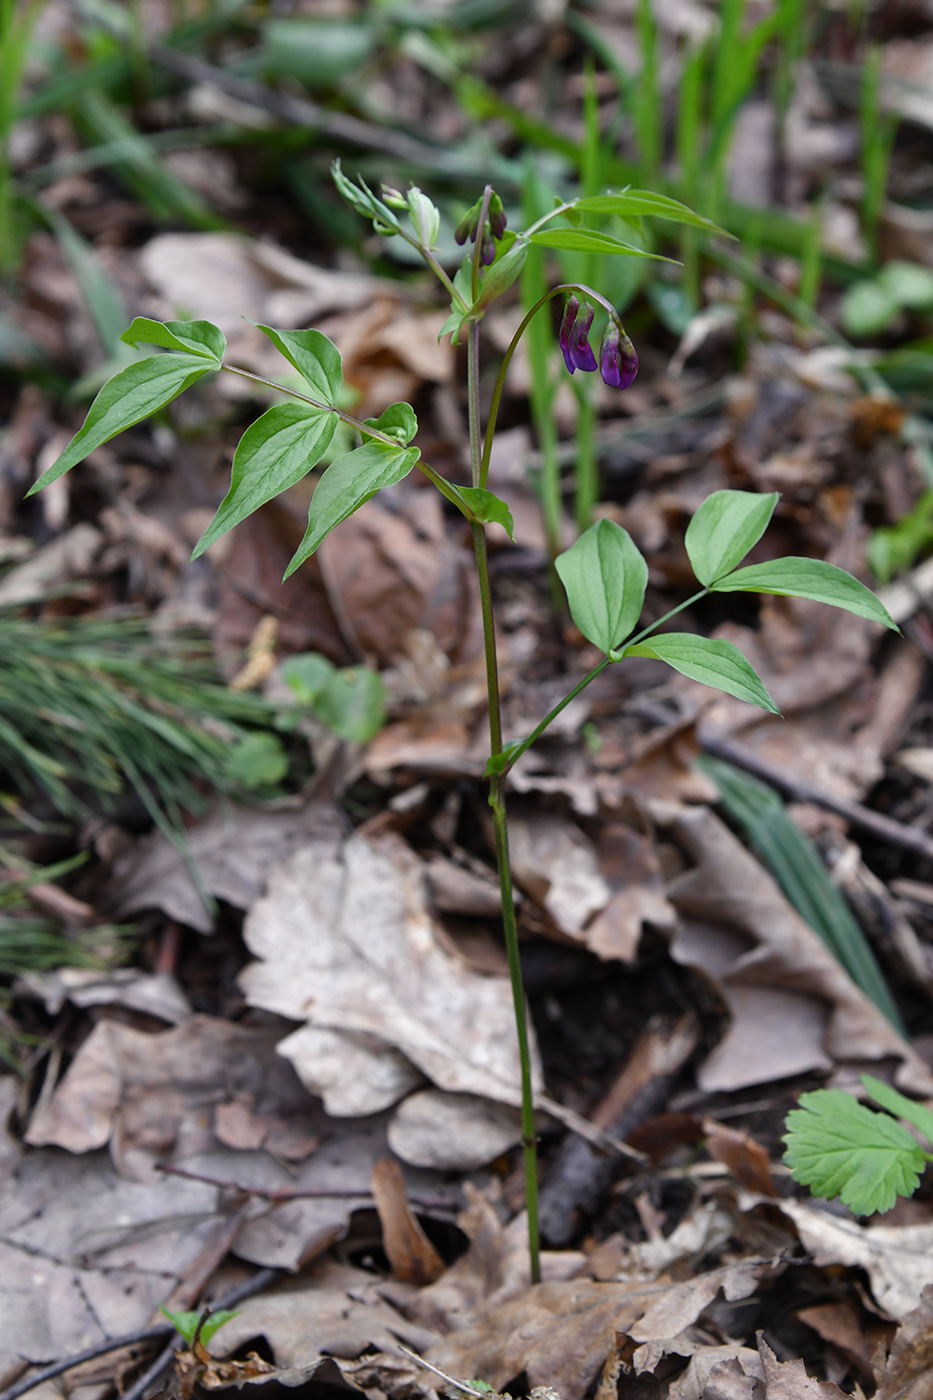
279	1194
463	1386
147	1334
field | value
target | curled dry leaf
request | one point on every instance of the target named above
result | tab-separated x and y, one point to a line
793	1006
746	1159
907	1372
788	1380
410	1253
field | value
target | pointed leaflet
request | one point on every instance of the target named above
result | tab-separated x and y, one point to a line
716	663
838	1147
808	578
347	484
724	529
585	240
635	204
604	576
487	506
276	451
194	337
397	421
130	396
902	1107
316	359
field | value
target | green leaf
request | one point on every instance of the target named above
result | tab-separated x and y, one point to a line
724	529
276	451
500	275
638	203
346	485
130	396
194	337
587	240
717	663
838	1147
186	1323
867	309
398	421
900	1106
499	762
306	675
908	283
487	507
316	359
604	576
808	578
258	761
352	704
453	325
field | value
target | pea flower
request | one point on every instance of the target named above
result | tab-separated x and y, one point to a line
573	338
618	362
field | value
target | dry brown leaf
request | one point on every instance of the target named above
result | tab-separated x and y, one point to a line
628	859
788	1380
452	1131
842	1324
728	1372
746	1159
347	944
154	993
664	1326
793	1006
411	1254
557	866
907	1373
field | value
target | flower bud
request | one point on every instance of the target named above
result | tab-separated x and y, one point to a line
425	217
618	361
497	217
487	251
581	352
566	330
394	198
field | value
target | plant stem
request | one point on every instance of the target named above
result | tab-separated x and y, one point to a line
509	924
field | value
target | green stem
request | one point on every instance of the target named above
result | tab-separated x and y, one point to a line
509	923
476	476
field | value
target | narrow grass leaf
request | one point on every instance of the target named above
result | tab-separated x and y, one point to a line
808	578
130	396
724	529
316	359
838	1147
716	663
604	575
191	337
346	485
276	451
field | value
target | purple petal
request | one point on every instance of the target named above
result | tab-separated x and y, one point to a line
488	251
581	351
618	362
566	330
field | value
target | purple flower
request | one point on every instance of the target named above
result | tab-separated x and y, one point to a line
618	362
581	351
566	331
487	251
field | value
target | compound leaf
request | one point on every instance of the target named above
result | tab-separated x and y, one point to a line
316	359
838	1147
715	662
808	578
724	529
346	485
133	394
604	576
276	451
191	337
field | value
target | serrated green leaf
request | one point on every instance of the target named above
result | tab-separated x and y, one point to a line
712	661
398	421
639	203
723	530
487	507
186	1323
346	485
808	578
316	359
838	1147
192	337
352	704
587	240
900	1106
604	576
130	396
276	451
306	675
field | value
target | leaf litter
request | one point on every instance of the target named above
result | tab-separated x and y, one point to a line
400	1015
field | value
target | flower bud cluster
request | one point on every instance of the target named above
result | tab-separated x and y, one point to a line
468	227
618	361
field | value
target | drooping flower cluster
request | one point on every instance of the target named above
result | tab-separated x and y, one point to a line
618	361
468	228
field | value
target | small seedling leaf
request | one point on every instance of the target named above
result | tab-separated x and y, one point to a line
587	240
604	576
724	529
257	761
488	507
186	1323
715	662
908	283
130	396
306	675
867	309
398	421
346	485
900	1106
808	578
499	762
316	359
639	203
276	451
190	337
838	1147
352	704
